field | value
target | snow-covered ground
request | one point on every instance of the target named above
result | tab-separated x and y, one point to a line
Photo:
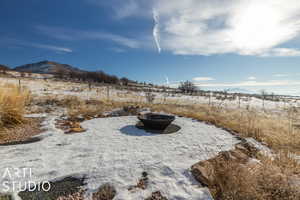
60	89
113	150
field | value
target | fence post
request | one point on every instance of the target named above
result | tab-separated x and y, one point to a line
107	92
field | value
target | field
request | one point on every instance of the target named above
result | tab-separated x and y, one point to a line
64	129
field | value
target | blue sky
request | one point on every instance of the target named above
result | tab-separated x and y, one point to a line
217	44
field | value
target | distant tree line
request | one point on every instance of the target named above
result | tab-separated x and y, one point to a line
95	77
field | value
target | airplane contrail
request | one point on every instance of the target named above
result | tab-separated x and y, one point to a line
156	30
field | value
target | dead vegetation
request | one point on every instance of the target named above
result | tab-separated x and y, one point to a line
263	181
22	132
13	125
240	174
13	100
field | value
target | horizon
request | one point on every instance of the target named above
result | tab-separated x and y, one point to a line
216	44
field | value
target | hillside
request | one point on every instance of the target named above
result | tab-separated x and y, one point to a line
4	67
47	67
68	72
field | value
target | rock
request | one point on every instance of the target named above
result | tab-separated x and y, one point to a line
156	196
204	172
239	155
64	187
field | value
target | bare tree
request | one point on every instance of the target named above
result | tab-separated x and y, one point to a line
187	87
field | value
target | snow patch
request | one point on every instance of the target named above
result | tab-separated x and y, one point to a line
113	151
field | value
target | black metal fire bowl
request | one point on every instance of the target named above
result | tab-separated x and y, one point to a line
156	121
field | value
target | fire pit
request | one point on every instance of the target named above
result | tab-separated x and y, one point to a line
156	121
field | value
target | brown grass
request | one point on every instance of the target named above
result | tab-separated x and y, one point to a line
91	109
266	181
21	132
12	105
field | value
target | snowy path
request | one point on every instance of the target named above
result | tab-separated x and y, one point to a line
114	151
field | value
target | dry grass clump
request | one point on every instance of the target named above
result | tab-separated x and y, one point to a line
88	109
13	100
266	181
21	132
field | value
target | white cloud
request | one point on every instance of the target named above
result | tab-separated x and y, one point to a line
251	78
280	75
74	34
251	84
126	8
17	43
51	47
281	52
203	79
206	27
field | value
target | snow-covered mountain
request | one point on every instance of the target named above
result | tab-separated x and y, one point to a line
46	67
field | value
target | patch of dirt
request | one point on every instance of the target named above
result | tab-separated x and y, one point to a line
105	192
21	133
59	189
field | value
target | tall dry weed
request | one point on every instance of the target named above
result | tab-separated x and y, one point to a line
13	100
